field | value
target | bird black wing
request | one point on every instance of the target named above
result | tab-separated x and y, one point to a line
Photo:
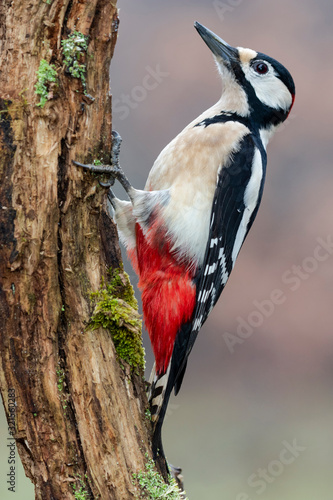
228	208
226	217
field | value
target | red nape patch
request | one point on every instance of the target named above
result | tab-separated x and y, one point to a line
168	292
292	103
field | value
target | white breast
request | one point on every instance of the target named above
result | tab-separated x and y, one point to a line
188	167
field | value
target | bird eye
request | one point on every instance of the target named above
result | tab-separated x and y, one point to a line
260	67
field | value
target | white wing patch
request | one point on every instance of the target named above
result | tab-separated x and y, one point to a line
211	269
197	323
250	201
223	264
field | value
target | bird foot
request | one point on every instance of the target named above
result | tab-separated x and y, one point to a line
108	170
113	171
115	150
176	474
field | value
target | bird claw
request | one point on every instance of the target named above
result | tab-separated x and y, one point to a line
112	171
117	140
176	474
106	184
107	170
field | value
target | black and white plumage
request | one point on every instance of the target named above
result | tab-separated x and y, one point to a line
234	208
258	93
184	231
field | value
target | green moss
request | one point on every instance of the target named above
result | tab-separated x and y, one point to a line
152	485
80	492
100	153
46	74
116	310
148	414
61	377
73	49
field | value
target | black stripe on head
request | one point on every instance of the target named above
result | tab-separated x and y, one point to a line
262	115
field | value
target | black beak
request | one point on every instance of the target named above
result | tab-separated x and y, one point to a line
219	47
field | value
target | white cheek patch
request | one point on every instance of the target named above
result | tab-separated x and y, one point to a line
269	89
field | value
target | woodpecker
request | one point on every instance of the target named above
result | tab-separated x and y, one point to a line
184	231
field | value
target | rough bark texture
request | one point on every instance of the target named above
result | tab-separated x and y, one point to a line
52	256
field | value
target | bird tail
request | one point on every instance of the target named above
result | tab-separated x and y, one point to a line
160	387
159	393
156	394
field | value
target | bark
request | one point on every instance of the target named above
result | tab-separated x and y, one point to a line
56	245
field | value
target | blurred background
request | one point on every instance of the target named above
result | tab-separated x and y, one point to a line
254	418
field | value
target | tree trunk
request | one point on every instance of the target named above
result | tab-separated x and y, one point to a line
79	414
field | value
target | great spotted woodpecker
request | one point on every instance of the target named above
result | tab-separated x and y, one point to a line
183	232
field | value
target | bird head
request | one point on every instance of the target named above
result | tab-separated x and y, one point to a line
254	85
